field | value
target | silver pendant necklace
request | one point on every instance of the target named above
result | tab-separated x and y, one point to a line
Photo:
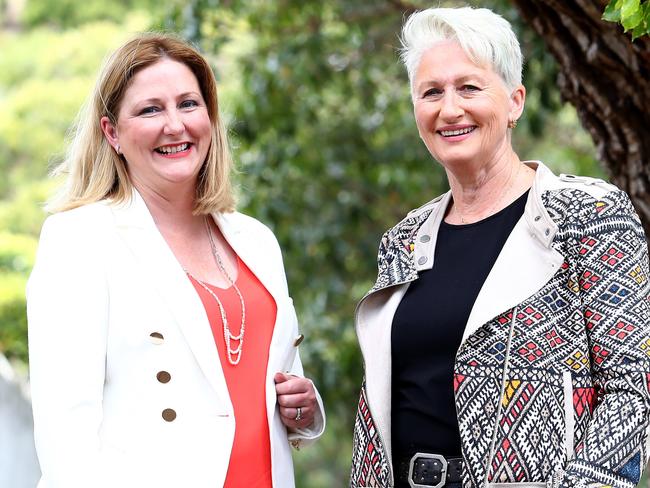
233	354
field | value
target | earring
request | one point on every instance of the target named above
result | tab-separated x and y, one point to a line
117	149
512	124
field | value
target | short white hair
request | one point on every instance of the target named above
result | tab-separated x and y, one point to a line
486	37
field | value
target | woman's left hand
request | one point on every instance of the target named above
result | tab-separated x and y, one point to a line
294	392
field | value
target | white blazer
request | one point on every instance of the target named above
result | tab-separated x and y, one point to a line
104	288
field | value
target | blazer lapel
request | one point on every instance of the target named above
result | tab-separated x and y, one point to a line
251	252
524	265
163	273
266	264
526	262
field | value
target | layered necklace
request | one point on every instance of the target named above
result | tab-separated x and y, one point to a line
233	354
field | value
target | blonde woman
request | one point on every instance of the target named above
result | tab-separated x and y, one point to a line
163	341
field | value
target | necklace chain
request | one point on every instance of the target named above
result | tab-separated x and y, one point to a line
233	354
511	181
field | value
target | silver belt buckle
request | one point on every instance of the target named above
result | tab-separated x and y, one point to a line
443	470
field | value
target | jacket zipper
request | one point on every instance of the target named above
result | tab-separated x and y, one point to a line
569	423
504	378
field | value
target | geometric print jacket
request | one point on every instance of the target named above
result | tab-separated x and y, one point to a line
552	378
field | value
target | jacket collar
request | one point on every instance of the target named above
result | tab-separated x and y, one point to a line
537	218
134	214
525	263
415	237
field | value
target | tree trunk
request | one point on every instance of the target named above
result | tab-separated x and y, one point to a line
606	77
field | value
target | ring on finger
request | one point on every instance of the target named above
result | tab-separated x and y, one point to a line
298	414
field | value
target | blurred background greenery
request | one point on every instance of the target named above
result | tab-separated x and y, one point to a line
321	126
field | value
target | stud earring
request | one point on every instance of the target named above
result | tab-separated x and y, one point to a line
512	124
117	149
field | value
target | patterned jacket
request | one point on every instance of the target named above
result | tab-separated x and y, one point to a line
552	377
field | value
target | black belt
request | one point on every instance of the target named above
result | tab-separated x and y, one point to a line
430	470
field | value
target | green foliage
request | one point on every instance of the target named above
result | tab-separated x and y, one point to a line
44	77
16	260
13	329
68	14
633	15
16	252
22	213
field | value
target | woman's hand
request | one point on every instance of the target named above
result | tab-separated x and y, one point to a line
295	395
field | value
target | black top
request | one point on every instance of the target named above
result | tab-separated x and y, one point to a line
427	330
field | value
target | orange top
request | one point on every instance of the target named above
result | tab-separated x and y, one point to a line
250	459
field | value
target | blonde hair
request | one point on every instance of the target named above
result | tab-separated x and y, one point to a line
486	37
96	172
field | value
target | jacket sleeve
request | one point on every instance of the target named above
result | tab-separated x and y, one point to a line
297	437
304	437
612	257
67	303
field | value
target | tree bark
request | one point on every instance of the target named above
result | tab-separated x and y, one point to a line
606	77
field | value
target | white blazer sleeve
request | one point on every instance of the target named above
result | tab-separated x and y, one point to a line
307	436
67	311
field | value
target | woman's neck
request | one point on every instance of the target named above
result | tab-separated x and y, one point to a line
170	210
479	193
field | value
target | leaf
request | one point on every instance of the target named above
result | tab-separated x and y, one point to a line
643	28
612	13
633	20
629	9
640	30
633	15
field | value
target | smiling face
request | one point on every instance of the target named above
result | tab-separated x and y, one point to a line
461	109
163	128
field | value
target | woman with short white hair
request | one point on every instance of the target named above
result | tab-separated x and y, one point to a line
506	338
